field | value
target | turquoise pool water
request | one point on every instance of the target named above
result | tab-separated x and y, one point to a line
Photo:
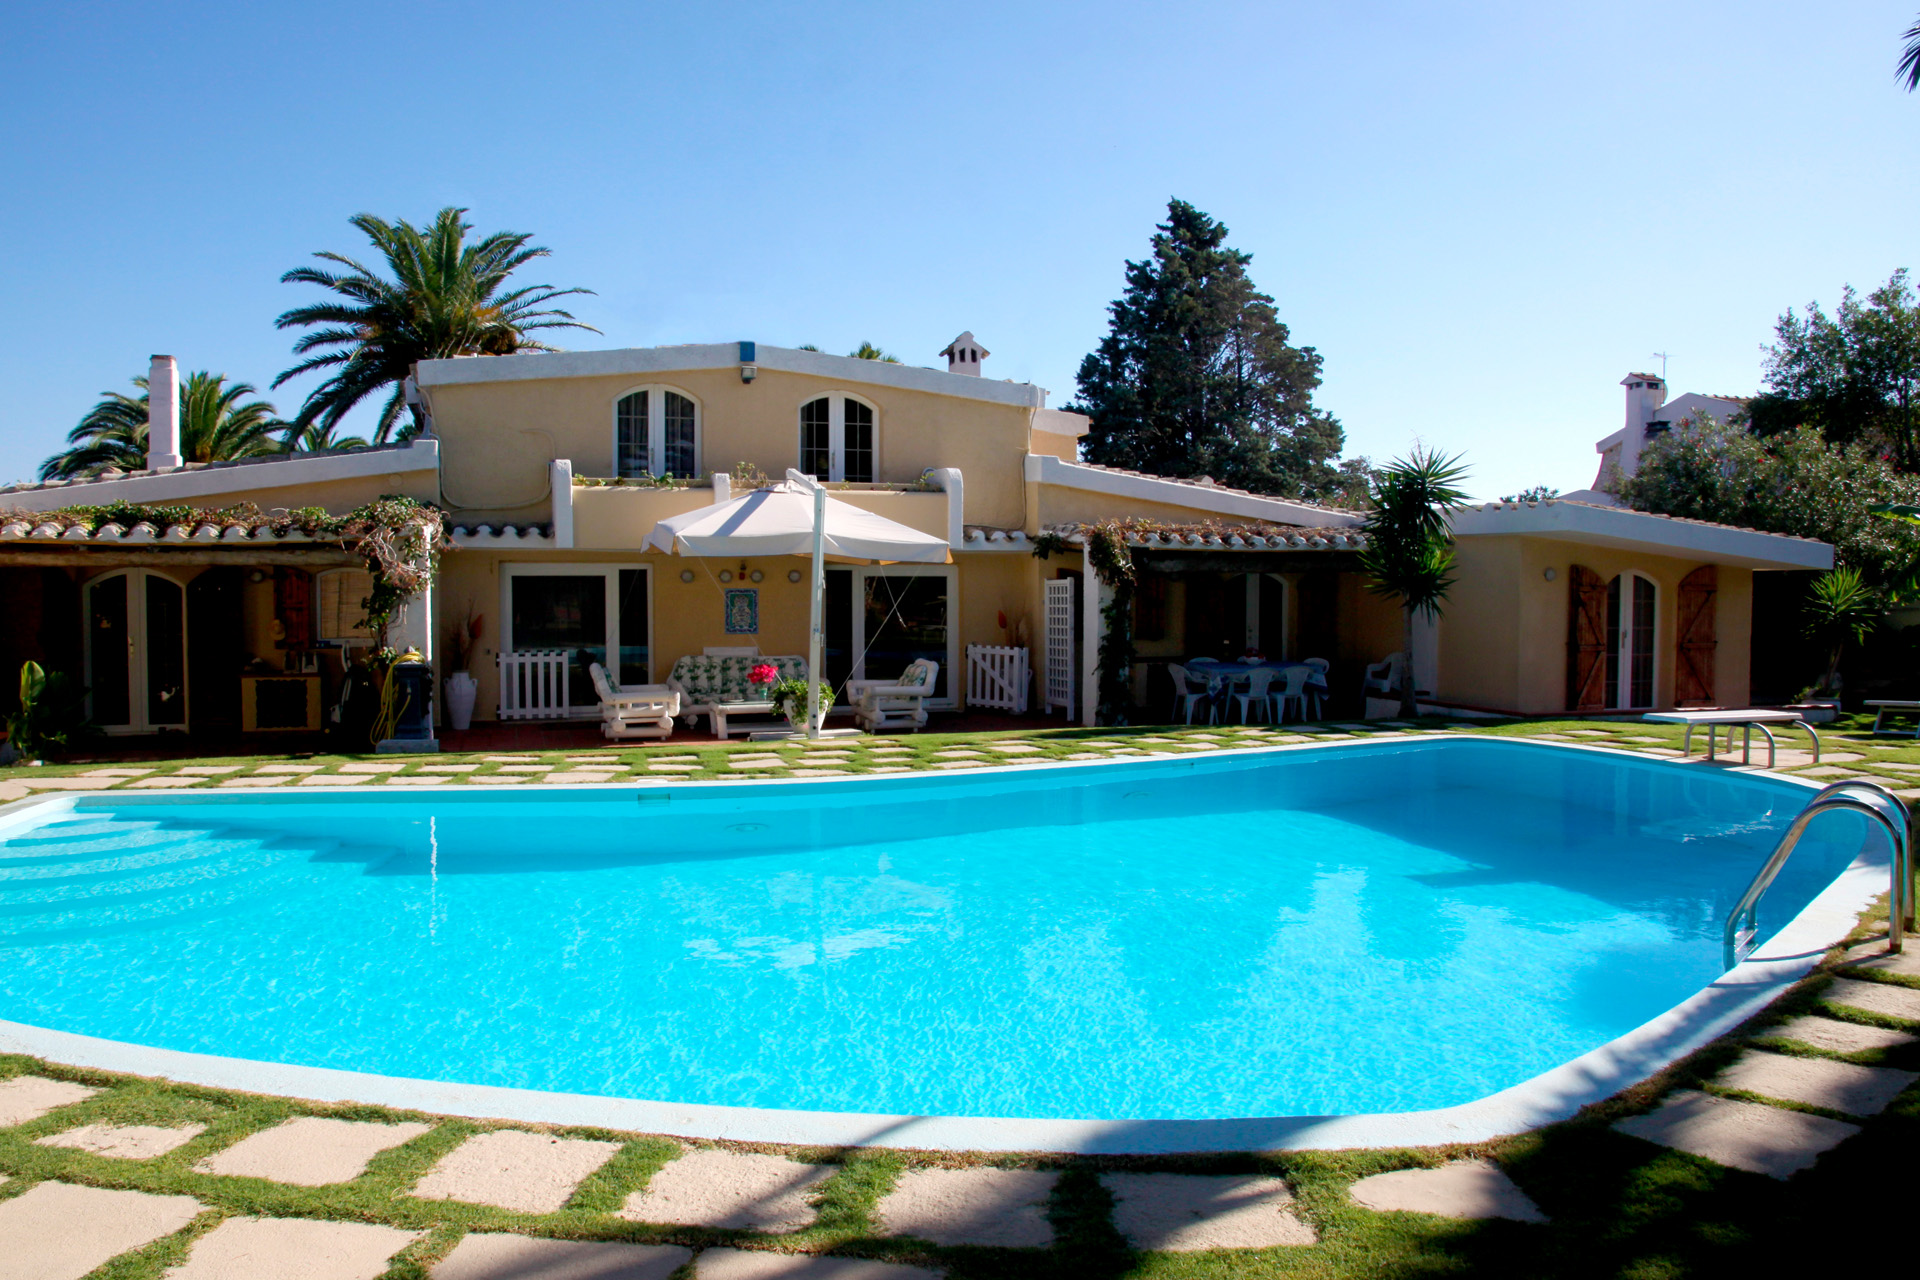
1366	929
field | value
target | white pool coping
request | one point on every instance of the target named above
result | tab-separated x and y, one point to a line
1551	1096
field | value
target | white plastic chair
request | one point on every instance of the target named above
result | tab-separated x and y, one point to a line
1293	692
1255	694
1316	697
1186	695
645	711
1384	677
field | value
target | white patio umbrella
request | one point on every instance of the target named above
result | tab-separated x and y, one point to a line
797	518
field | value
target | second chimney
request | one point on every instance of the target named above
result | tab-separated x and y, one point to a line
163	414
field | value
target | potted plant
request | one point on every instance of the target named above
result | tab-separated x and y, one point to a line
462	689
762	678
789	698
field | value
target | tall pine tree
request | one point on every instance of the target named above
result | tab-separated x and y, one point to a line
1196	377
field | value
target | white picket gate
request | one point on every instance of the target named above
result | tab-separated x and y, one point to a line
1061	683
533	685
997	677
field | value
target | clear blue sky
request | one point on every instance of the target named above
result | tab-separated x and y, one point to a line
1482	215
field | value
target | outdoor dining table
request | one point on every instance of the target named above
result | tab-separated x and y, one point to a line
1220	675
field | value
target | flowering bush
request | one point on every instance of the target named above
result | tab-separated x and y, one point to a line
765	673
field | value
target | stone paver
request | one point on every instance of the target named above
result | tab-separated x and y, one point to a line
667	768
501	778
67	784
709	1188
1875	997
525	768
1003	1207
513	1169
373	766
1817	1082
434	781
1459	1189
290	768
310	1151
1875	956
256	782
569	775
1839	1037
497	1256
335	780
115	773
1183	1213
743	1264
448	768
1740	1135
292	1249
56	1231
519	759
25	1098
819	773
124	1141
208	770
167	782
593	759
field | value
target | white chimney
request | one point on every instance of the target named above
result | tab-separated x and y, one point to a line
964	355
163	414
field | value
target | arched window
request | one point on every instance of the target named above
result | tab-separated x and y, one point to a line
837	440
656	431
1632	614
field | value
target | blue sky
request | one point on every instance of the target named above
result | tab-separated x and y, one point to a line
1482	215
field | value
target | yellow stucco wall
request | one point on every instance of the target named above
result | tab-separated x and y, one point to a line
498	437
1059	505
1503	637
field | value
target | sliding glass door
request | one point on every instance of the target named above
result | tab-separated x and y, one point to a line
904	612
590	612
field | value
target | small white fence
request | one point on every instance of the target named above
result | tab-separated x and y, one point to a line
997	677
533	685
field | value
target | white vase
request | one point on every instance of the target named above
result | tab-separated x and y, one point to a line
462	691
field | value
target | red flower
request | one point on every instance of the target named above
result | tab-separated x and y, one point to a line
765	673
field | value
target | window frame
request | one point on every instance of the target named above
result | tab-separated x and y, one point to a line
657	428
836	434
340	641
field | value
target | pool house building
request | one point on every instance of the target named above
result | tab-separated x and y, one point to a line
554	470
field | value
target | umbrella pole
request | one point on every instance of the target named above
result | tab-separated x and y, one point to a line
814	636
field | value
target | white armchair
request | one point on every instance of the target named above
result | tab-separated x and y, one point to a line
899	703
1384	677
644	711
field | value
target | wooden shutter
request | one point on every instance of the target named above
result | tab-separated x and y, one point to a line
1695	637
1586	640
293	605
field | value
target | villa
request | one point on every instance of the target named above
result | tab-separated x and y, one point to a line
554	468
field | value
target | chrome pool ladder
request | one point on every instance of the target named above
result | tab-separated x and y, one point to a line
1879	805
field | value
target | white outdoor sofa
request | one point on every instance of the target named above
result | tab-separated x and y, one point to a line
715	685
899	703
638	711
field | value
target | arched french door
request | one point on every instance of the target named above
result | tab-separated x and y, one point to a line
136	651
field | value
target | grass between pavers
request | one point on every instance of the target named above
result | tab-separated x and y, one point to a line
1619	1206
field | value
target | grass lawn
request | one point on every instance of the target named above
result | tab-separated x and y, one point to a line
1618	1206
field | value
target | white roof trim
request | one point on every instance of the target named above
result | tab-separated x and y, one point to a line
1642	530
1043	468
641	361
422	454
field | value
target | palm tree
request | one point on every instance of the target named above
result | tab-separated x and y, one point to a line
445	298
217	424
316	438
1909	69
867	351
1409	554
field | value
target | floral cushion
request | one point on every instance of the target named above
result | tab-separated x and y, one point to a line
916	673
704	679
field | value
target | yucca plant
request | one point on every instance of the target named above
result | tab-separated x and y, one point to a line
442	297
1841	609
1409	552
217	424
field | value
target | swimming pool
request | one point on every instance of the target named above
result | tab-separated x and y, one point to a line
1379	928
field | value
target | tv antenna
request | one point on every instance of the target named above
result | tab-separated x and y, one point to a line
1661	356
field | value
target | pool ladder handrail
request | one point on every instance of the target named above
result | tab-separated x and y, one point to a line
1878	804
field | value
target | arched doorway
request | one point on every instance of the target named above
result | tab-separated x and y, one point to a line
136	651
